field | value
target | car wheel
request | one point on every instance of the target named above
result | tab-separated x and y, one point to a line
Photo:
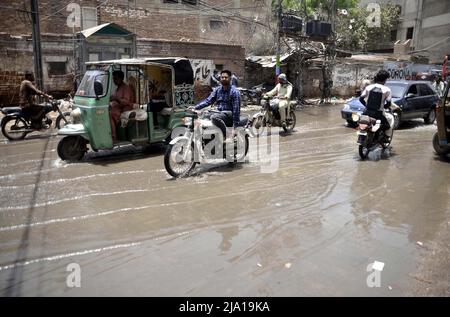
431	117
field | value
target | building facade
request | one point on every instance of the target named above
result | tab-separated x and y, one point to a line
426	23
216	30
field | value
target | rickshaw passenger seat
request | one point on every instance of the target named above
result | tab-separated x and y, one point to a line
135	114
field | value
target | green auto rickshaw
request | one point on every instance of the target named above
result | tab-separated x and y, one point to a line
163	88
441	139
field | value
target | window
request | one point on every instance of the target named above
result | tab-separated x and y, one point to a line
191	2
409	33
89	17
216	25
86	87
56	68
393	35
426	90
170	1
412	90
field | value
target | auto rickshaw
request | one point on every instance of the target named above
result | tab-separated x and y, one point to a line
163	87
441	139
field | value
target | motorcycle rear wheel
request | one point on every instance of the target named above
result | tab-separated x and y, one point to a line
174	164
15	128
290	122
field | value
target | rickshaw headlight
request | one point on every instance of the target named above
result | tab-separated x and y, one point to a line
75	115
187	121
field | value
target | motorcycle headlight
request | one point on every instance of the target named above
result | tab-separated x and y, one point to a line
187	121
355	117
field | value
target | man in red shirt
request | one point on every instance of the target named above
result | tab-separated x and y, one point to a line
122	100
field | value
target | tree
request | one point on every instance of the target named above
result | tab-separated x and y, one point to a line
308	7
354	32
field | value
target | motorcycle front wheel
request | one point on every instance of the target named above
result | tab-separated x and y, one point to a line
15	128
259	125
177	161
60	122
363	151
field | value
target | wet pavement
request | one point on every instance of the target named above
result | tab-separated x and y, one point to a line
310	228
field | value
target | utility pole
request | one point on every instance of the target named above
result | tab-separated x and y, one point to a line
277	67
37	45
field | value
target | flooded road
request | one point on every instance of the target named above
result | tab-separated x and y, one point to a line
310	228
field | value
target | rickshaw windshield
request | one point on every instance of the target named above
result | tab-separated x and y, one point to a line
86	88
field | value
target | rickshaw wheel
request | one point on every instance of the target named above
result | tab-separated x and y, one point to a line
439	149
72	148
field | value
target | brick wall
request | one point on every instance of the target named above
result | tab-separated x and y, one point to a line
148	18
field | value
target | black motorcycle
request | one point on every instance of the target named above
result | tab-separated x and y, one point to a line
252	96
16	123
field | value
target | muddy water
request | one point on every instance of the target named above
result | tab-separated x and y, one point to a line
310	228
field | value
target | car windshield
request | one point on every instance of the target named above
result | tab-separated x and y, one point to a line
86	88
397	90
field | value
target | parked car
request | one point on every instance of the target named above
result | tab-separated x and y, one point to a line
417	99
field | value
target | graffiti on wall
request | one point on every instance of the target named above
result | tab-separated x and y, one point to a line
203	69
409	70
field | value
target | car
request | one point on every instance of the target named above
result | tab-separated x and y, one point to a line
417	99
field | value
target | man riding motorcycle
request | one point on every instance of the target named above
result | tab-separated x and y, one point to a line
28	103
283	91
376	98
228	100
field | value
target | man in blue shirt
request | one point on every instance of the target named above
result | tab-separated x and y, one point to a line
227	99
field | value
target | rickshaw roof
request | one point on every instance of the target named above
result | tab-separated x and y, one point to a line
184	73
140	61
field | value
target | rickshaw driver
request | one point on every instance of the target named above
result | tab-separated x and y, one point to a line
122	100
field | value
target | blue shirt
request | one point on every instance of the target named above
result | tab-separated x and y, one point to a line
226	100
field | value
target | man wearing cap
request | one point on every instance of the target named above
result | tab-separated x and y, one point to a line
283	91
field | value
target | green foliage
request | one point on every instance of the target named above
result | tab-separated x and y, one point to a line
354	33
317	5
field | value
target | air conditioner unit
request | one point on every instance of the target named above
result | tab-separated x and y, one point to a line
291	23
318	28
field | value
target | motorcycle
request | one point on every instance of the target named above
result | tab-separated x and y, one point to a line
251	96
270	116
370	135
204	140
66	109
15	125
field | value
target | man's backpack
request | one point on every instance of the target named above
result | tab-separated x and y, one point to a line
374	99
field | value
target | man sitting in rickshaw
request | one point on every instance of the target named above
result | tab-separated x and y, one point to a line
122	100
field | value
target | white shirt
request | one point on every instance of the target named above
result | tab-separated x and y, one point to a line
439	88
386	91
